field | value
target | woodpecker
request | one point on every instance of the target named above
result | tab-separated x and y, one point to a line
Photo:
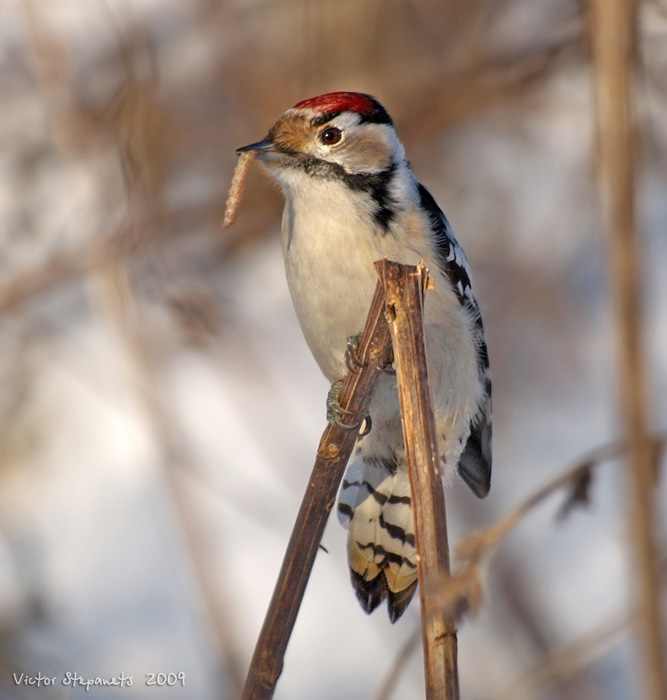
351	199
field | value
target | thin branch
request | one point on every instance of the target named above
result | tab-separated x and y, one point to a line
574	657
483	83
613	25
332	456
461	593
124	245
397	667
568	660
404	288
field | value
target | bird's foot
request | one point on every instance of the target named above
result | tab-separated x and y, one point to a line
354	364
352	361
343	418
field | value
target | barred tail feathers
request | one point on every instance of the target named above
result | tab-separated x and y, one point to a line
374	504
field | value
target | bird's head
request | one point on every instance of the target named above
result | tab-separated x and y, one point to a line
338	134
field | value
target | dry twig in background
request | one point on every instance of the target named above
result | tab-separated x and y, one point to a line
461	593
613	33
404	289
332	456
398	665
575	656
568	660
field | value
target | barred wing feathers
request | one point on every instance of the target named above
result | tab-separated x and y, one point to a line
475	461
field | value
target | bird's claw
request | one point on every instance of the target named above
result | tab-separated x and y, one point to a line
366	426
354	364
352	361
343	418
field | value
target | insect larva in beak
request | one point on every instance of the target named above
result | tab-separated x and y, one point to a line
236	188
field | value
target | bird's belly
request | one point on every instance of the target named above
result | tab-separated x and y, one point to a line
329	266
332	285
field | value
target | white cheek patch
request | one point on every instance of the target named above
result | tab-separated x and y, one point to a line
368	148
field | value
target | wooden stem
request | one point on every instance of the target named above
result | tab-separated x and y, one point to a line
404	288
613	34
332	456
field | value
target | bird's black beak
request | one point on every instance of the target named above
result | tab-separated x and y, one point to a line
261	148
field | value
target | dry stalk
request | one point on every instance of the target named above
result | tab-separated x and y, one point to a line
461	593
574	657
404	289
332	456
568	660
613	28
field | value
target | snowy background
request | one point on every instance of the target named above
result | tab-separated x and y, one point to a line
159	410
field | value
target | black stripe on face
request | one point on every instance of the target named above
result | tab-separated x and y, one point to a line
374	184
377	186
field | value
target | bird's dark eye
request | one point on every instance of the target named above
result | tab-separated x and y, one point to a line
330	136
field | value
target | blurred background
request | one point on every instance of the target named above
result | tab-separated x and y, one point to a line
159	410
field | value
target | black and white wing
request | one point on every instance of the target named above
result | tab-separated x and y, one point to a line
475	462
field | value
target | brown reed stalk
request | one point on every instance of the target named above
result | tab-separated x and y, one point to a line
404	288
461	593
574	657
613	27
332	456
568	660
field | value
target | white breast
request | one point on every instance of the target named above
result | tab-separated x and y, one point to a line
330	275
329	245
